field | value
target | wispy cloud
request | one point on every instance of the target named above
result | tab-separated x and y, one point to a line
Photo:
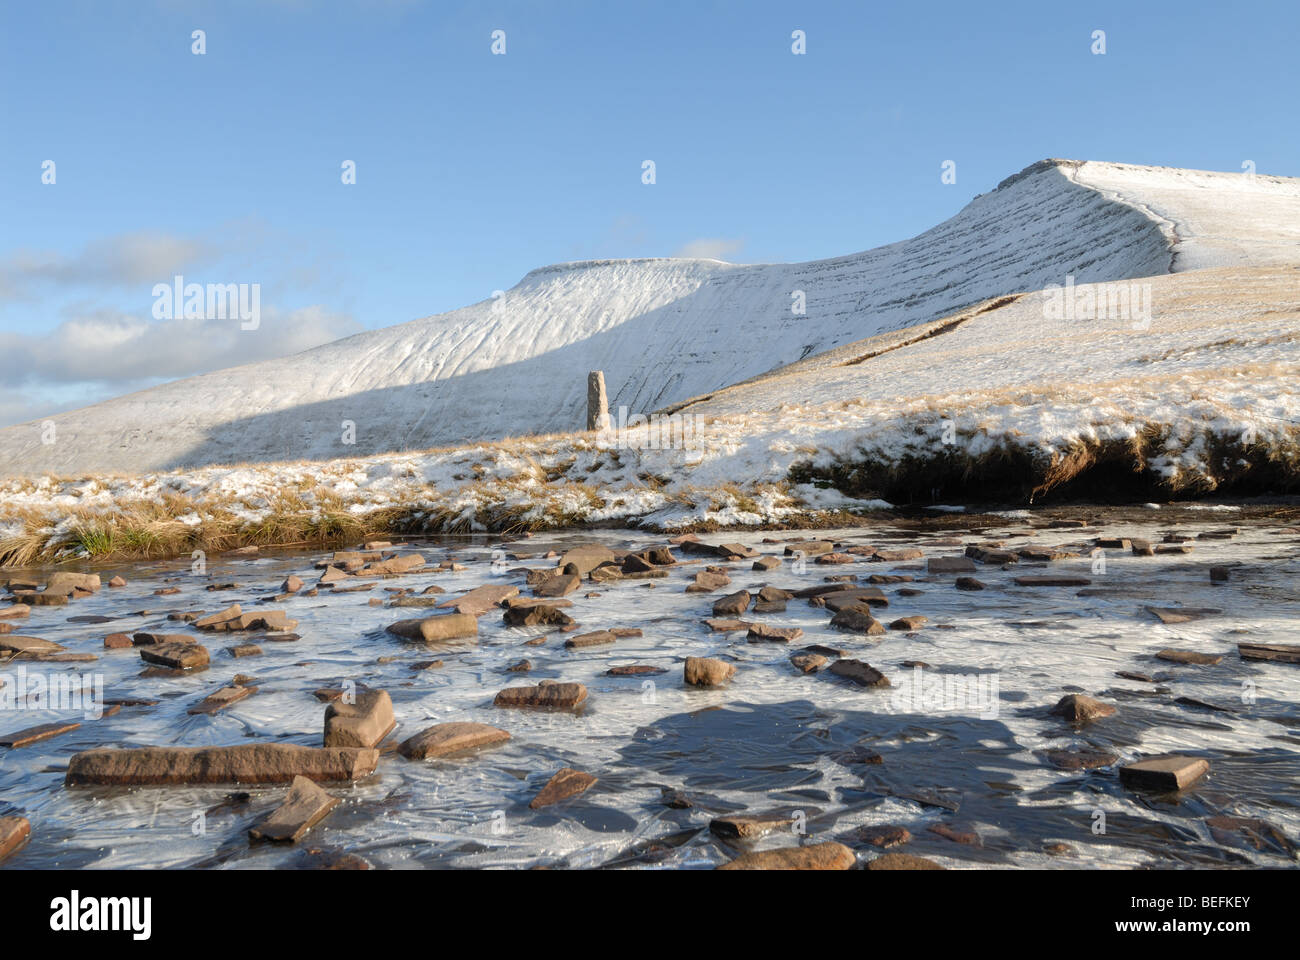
710	248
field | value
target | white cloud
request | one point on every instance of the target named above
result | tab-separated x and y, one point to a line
710	248
110	347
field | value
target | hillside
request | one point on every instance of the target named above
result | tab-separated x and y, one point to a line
665	331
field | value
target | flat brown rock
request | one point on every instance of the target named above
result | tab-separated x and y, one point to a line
851	598
884	836
902	861
362	723
1080	759
14	832
634	670
857	621
861	673
178	656
13	643
950	565
761	632
555	695
586	557
44	731
1052	581
727	626
439	629
1189	657
1276	652
594	639
1164	774
707	672
482	599
1181	614
707	581
745	827
817	856
557	585
566	783
219	700
444	739
305	806
245	763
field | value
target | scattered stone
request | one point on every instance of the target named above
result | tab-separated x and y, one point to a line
292	584
1219	574
766	563
14	832
1142	548
748	827
706	582
884	836
117	582
852	597
1275	652
557	585
957	834
732	604
360	724
634	670
244	650
950	565
857	621
1229	831
816	856
909	623
1078	709
44	731
444	739
899	556
860	672
21	646
537	615
1080	759
707	672
1163	774
566	783
1174	548
549	694
594	639
1058	849
178	656
520	666
220	699
117	641
727	626
902	861
66	583
586	558
1181	614
1190	657
761	632
245	763
808	662
152	639
835	558
438	629
481	599
963	583
305	806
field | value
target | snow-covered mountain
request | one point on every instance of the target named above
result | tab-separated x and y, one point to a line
667	330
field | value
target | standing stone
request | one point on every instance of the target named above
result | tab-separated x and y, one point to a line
597	402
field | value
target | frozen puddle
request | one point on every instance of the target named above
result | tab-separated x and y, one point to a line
966	748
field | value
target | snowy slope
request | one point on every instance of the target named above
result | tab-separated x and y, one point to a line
668	330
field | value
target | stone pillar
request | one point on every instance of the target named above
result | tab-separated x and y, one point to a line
597	402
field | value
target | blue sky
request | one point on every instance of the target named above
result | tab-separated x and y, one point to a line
473	169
